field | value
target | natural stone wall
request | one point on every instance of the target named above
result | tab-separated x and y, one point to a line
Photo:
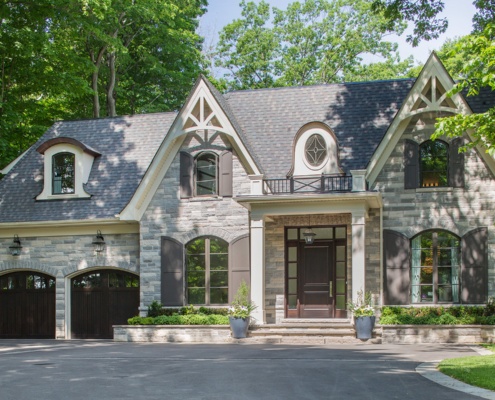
418	334
458	210
172	333
186	219
65	257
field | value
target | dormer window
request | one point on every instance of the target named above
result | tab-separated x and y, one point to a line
315	150
67	166
63	165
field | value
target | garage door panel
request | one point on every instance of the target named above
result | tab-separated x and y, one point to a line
98	302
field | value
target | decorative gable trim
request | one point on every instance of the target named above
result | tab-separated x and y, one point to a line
202	111
429	94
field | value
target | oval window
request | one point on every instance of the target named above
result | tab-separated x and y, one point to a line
315	150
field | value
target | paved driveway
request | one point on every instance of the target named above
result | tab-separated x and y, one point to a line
38	370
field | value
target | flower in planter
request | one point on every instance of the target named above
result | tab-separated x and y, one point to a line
362	307
241	306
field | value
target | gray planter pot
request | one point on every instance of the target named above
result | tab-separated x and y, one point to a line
239	327
364	327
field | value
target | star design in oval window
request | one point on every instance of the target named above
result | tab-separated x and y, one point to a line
315	150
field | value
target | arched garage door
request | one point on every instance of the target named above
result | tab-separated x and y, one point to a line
100	299
27	305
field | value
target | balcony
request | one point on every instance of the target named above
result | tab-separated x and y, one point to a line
308	184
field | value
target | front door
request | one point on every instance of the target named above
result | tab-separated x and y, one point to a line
316	277
316	274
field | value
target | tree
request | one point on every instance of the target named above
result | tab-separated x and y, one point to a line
391	68
318	41
249	48
478	66
61	58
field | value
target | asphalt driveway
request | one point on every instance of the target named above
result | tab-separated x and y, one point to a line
38	370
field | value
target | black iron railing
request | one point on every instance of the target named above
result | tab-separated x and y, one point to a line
309	184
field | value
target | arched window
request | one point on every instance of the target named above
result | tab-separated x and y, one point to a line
206	174
435	267
207	271
434	163
63	173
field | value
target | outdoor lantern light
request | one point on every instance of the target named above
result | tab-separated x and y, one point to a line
309	235
16	247
99	242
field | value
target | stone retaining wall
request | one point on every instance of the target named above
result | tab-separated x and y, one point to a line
172	333
466	334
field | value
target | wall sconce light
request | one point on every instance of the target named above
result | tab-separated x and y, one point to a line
99	242
15	248
309	235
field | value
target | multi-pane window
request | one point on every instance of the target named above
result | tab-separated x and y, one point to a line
207	270
206	174
434	163
63	173
435	268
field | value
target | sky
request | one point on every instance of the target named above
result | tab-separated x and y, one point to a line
458	12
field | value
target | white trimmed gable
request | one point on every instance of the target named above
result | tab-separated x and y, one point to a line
429	94
202	112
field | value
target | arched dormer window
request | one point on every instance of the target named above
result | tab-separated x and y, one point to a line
67	166
434	163
315	151
206	174
63	165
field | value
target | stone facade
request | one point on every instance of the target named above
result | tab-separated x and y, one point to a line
458	210
186	219
65	257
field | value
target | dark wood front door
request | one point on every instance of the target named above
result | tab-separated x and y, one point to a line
316	281
27	305
101	299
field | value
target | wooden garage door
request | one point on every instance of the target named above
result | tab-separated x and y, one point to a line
100	299
27	305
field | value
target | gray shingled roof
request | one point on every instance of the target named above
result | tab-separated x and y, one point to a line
127	146
358	113
267	120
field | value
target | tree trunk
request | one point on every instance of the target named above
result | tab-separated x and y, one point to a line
111	86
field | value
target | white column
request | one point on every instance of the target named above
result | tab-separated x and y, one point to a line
258	268
358	252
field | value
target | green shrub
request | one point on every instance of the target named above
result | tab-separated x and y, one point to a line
456	315
189	319
155	309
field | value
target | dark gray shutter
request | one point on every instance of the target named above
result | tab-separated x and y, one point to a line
225	172
396	268
456	164
172	253
411	164
186	175
239	264
474	266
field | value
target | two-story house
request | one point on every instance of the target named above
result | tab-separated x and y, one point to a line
310	194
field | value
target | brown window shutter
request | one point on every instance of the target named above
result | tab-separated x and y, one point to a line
186	175
474	266
456	164
239	264
172	272
411	164
225	178
397	268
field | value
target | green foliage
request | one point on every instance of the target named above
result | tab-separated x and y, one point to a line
456	315
241	306
155	309
362	307
316	41
176	319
